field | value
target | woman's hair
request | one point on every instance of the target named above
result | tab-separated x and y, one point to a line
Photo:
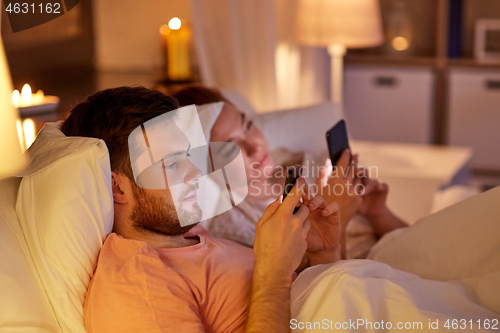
112	114
198	95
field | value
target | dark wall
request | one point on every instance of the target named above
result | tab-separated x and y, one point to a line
57	57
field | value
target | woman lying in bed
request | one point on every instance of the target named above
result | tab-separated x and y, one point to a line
238	224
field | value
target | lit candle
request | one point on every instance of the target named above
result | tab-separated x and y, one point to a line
27	98
26	132
20	134
29	103
15	96
38	98
29	132
26	93
176	39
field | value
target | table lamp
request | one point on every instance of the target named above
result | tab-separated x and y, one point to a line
11	156
338	24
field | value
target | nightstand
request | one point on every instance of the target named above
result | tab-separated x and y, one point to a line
414	172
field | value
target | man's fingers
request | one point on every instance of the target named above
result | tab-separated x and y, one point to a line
293	197
302	213
306	193
271	209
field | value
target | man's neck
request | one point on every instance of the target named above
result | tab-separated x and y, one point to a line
158	240
170	242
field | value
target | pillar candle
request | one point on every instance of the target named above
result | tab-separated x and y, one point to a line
176	39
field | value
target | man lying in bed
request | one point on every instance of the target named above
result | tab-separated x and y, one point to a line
150	278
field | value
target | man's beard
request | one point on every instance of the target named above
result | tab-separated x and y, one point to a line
156	214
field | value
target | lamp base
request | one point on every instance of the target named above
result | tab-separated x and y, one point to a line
337	52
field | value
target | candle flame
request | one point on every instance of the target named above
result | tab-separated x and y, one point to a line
15	96
26	93
29	131
174	23
20	134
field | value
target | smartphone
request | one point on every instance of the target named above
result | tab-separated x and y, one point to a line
293	173
337	141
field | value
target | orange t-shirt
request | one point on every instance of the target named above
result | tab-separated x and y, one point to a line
199	288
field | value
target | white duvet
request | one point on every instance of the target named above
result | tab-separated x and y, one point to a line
367	296
444	272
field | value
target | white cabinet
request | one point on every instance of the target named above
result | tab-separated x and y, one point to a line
474	114
389	103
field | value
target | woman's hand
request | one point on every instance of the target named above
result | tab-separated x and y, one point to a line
324	234
339	185
375	209
323	239
374	198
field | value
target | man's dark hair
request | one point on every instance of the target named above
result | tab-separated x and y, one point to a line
198	95
112	114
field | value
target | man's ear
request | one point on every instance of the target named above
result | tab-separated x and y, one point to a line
118	185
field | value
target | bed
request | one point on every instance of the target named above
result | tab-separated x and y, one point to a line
56	215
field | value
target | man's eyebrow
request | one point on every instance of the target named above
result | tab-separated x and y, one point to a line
178	152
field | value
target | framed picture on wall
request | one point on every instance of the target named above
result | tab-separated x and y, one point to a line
487	41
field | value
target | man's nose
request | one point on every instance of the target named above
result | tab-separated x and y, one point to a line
193	173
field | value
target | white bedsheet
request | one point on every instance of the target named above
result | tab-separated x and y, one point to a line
350	291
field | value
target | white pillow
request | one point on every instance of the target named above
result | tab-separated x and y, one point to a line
24	306
65	209
300	129
461	242
239	101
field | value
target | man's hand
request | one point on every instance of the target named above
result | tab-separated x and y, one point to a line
280	243
280	235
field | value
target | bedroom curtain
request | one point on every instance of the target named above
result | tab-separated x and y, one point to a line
248	47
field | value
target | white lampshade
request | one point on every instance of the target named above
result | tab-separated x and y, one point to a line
11	156
351	23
